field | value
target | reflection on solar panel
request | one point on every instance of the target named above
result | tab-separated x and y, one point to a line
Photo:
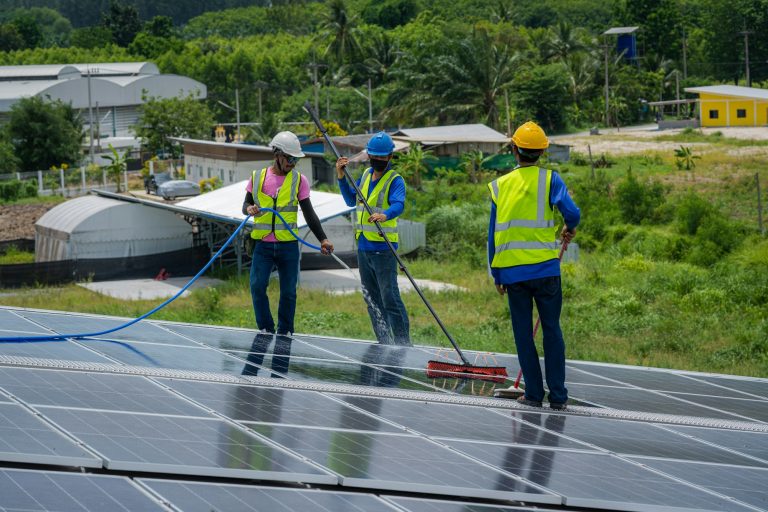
358	425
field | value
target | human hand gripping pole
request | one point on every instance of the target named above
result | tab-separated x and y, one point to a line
435	369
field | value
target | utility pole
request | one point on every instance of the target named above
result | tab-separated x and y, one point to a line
607	118
90	117
506	105
746	33
677	91
370	106
314	66
260	85
685	56
759	205
237	110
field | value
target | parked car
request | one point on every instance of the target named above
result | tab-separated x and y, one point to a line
170	190
153	181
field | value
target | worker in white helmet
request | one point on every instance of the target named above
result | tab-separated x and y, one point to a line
282	188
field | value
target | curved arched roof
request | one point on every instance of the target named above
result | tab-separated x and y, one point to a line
39	72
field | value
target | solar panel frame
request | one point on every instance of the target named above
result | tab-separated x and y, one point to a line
123	449
49	491
196	497
25	438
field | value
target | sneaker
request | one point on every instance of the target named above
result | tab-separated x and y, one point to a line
558	406
530	403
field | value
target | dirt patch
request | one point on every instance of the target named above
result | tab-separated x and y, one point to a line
17	221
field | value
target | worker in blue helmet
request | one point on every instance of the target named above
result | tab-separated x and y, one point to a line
384	191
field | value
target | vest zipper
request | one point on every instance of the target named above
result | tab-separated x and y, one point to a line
274	217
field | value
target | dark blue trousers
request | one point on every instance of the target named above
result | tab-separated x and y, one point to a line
378	275
547	293
284	256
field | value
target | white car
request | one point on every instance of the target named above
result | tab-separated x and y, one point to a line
170	190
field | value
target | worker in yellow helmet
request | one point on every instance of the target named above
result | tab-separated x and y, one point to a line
524	263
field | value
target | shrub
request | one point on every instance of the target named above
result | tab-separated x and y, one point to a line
458	232
14	190
691	211
638	201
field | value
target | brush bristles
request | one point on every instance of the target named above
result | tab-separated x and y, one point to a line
442	369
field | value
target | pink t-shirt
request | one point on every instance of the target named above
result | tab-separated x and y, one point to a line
272	183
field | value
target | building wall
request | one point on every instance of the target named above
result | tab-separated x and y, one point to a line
229	171
728	108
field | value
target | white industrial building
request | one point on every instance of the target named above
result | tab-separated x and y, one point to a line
93	227
113	91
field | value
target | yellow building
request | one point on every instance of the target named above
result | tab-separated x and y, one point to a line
732	105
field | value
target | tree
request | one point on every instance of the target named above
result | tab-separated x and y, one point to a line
118	165
161	119
28	29
91	37
8	160
413	164
390	13
123	22
340	27
10	39
44	133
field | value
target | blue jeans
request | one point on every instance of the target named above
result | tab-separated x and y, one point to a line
548	295
378	275
284	256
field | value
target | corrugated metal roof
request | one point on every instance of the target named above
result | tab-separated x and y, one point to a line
731	90
246	147
455	133
22	89
68	215
228	202
619	30
119	68
42	72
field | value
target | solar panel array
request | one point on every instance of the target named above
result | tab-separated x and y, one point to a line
106	431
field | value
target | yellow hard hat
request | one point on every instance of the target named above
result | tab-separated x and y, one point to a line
530	136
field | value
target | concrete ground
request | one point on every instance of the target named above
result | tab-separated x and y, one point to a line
336	282
147	289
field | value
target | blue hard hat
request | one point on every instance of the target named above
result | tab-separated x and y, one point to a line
380	144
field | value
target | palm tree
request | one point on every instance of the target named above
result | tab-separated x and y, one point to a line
413	164
340	27
564	42
461	84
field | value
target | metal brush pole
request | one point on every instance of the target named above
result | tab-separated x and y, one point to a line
400	263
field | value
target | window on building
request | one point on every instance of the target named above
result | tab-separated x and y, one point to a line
209	173
714	114
231	176
741	113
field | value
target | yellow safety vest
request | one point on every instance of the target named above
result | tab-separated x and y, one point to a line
524	231
286	202
378	201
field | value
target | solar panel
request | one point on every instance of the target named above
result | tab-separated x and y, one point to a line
274	405
202	497
594	480
424	505
310	427
747	408
630	437
747	485
48	491
12	322
464	422
634	399
754	444
182	445
659	380
69	323
93	391
24	438
400	462
64	350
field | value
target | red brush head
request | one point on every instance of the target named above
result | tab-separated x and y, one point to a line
442	369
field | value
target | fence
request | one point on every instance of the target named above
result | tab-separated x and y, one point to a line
74	181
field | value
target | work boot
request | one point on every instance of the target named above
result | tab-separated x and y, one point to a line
558	406
530	403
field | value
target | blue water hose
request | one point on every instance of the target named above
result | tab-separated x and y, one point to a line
64	337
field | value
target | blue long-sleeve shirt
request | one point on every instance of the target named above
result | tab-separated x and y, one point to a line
558	196
396	206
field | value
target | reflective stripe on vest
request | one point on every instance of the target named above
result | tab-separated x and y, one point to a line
379	202
286	202
523	234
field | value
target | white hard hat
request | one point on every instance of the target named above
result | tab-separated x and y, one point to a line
288	143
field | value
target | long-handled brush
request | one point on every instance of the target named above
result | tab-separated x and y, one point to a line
434	368
514	392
